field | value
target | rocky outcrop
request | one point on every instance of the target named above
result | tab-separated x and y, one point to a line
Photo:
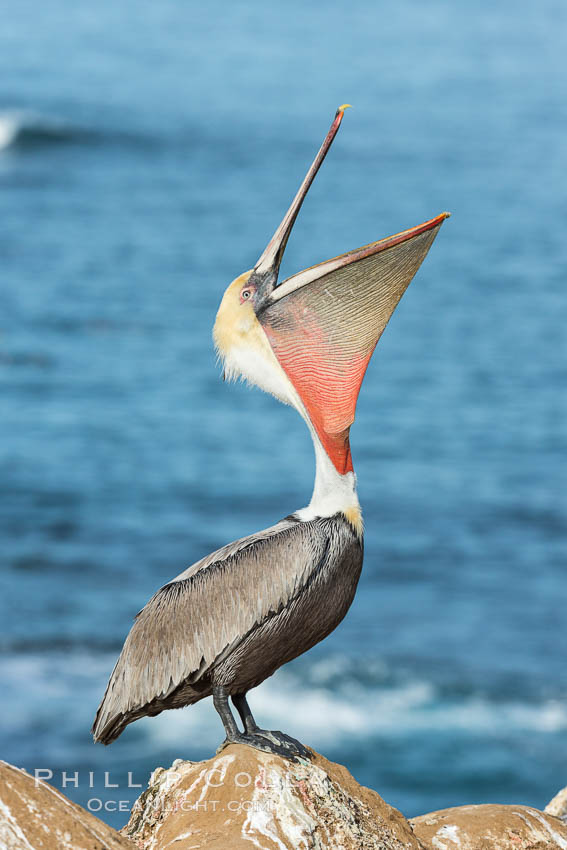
490	827
558	806
244	799
35	816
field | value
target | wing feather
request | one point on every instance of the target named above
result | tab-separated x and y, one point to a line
197	619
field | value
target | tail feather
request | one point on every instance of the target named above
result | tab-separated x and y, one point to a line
110	721
116	710
106	733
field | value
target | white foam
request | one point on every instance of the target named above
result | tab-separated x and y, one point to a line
313	711
321	716
11	124
15	124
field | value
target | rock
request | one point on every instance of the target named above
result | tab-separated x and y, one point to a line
490	827
244	798
35	816
558	806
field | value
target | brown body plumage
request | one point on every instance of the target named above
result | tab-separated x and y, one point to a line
282	591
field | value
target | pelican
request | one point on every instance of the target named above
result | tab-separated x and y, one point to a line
233	618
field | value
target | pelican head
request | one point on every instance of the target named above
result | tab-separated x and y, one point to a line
308	340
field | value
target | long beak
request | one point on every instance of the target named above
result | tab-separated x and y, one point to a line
267	268
323	325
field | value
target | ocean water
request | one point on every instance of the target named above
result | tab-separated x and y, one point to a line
147	153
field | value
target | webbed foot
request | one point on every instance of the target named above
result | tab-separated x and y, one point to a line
291	745
266	742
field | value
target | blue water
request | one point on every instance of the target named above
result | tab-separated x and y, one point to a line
148	152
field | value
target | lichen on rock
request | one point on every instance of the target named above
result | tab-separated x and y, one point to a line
35	816
490	827
558	805
245	798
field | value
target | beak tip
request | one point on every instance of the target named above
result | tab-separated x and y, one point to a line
342	108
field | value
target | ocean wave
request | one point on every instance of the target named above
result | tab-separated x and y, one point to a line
28	129
323	718
22	129
313	712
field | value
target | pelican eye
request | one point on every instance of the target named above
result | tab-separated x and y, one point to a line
245	294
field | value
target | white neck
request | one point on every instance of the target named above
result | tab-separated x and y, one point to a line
332	492
247	353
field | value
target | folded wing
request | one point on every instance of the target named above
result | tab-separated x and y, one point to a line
192	623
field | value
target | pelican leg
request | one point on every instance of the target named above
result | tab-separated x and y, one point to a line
220	702
290	745
235	736
241	703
